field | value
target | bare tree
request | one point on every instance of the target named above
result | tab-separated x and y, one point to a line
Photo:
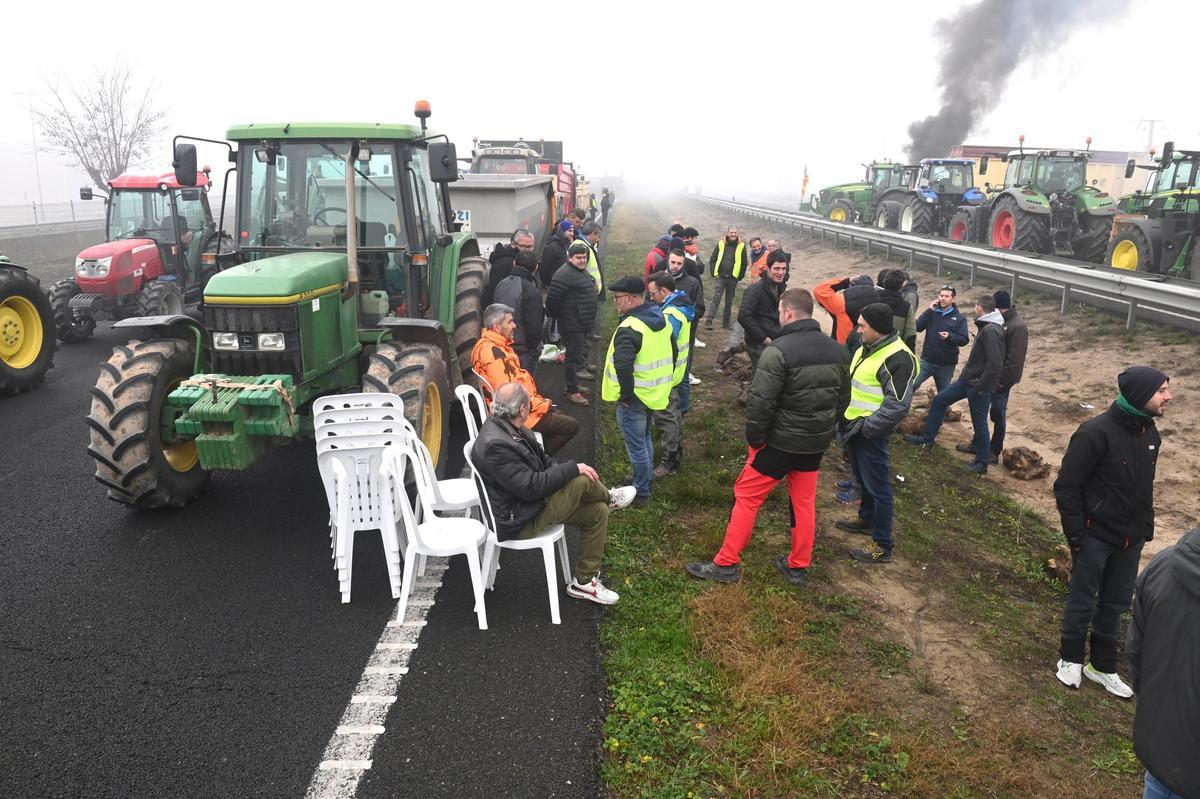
104	125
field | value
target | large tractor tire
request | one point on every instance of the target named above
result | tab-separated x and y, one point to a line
160	298
417	374
1131	250
132	441
917	218
962	227
887	216
26	343
71	327
1013	228
1094	233
468	311
841	211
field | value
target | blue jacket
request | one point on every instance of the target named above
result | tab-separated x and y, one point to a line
935	349
680	300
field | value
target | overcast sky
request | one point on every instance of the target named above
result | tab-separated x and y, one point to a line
732	97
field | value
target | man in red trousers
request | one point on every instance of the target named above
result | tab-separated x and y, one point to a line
802	379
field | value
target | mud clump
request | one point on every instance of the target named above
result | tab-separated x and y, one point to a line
1025	464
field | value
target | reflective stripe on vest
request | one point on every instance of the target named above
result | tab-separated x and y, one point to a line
593	268
737	258
653	369
683	342
866	392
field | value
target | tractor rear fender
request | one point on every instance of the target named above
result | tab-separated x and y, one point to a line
1035	203
1151	229
895	194
405	330
1095	202
172	326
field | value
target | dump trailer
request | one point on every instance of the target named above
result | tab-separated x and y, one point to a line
26	330
362	287
519	157
1159	226
861	202
493	206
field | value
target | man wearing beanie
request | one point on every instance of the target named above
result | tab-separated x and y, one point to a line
554	252
881	385
1105	497
656	259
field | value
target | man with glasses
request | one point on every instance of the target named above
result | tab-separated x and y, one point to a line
502	259
945	331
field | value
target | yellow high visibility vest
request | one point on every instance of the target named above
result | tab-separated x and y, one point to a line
683	343
737	258
866	392
593	266
653	368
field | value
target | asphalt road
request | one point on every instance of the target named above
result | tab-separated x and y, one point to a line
205	651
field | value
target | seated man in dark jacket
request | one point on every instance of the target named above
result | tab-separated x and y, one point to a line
759	312
529	492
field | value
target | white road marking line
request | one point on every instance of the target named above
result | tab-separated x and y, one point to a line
347	756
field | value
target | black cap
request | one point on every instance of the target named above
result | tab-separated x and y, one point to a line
1004	302
691	233
630	284
879	316
1139	383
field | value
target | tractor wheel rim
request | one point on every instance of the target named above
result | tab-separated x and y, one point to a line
1004	230
182	456
881	220
1125	256
837	215
906	220
20	332
958	232
431	422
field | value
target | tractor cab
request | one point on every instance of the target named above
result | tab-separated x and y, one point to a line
884	176
1170	184
948	178
1048	171
517	159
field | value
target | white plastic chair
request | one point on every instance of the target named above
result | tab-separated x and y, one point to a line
552	538
474	408
439	536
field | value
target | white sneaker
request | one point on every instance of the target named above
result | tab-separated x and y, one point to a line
593	590
1111	682
621	497
1069	674
699	343
693	380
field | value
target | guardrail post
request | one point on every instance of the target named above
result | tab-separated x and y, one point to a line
971	282
912	258
851	242
1066	298
939	266
888	251
868	246
1012	291
1131	317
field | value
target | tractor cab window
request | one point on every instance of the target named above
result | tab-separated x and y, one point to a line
501	165
952	178
299	201
883	178
189	204
144	214
1058	173
1178	175
1020	172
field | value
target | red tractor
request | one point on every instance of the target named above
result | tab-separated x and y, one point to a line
160	249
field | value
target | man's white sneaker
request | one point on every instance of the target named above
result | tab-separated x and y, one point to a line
693	380
593	590
621	497
1111	682
699	343
1069	674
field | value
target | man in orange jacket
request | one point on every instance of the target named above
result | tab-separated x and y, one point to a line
494	358
836	294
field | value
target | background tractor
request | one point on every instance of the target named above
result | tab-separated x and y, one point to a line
851	202
1045	206
352	277
160	249
26	322
1157	231
942	185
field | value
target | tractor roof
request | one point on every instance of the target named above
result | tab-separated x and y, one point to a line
167	180
256	131
959	161
1053	153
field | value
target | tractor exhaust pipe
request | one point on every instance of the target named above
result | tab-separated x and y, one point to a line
351	289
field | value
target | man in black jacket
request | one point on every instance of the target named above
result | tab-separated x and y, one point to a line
572	301
759	312
554	253
501	261
729	264
1163	647
529	492
891	281
975	384
1016	344
1105	497
801	382
520	292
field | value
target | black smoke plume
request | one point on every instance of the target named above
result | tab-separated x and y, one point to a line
981	46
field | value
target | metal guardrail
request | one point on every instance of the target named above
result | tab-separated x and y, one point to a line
1138	295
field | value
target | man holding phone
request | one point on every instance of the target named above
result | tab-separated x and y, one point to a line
945	331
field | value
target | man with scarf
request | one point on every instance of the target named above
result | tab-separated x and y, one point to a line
1105	498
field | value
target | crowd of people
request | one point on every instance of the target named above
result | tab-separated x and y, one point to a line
853	386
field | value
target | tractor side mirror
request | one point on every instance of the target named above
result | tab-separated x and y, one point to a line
85	193
1168	151
443	162
1130	166
185	164
983	165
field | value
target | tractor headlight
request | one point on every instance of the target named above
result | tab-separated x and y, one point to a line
271	341
79	267
225	341
102	266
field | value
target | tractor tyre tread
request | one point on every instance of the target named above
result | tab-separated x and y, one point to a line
468	311
922	217
69	328
406	370
1133	234
153	297
16	282
1092	244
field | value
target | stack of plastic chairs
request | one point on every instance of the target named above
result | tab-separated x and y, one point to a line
352	432
474	408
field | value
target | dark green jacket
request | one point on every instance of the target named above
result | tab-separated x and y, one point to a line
802	380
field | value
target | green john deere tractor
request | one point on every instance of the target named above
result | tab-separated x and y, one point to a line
862	202
1158	228
352	277
26	330
1045	206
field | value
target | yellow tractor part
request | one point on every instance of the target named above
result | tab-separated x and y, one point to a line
837	215
181	456
20	332
1125	256
431	422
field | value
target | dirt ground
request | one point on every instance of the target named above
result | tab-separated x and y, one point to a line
1070	374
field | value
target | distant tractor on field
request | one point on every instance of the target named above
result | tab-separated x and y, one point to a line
941	187
26	322
160	249
1045	206
1158	230
860	202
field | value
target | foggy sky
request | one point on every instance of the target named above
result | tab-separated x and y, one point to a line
730	98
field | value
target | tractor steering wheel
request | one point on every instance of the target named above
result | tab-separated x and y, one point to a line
317	216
